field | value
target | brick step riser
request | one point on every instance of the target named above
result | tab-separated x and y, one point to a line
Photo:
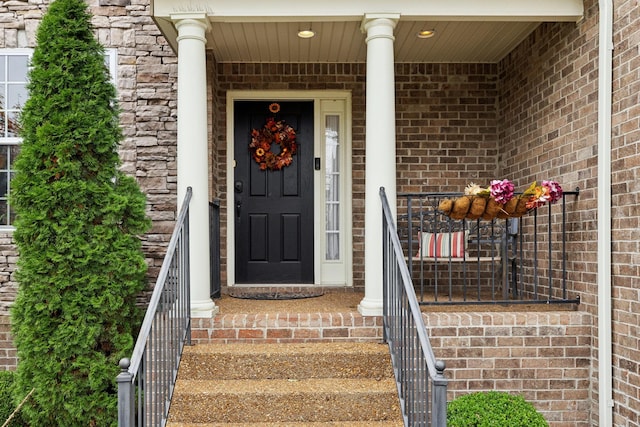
286	328
300	407
208	366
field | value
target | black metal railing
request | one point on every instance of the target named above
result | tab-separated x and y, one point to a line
500	261
147	380
422	387
214	248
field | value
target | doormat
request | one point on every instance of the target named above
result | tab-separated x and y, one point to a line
274	292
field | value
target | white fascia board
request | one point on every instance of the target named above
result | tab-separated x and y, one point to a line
340	10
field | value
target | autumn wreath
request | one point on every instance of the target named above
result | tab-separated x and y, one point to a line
277	132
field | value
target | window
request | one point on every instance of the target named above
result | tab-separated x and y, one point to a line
111	61
14	68
332	186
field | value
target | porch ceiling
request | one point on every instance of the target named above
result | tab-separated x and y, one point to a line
465	30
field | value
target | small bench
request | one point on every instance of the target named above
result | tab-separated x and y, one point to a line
450	246
465	242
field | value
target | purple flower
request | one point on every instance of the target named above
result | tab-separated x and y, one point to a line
501	191
554	190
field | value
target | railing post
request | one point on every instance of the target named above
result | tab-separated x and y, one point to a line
439	397
187	267
126	411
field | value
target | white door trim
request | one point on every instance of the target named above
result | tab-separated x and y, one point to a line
319	237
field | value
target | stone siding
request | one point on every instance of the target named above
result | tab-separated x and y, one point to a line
146	77
146	86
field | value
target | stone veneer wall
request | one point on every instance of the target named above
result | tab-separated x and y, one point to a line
446	125
146	83
543	356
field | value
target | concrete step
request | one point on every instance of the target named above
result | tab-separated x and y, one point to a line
312	384
312	400
327	360
398	423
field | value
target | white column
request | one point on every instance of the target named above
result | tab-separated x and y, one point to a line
380	154
193	153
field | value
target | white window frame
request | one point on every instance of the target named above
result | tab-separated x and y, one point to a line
111	57
14	140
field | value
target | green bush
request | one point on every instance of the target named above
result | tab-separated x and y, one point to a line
493	409
6	400
78	222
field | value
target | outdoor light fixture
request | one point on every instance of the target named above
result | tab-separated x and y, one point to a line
425	34
306	34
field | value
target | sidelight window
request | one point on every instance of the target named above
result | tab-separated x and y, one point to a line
332	186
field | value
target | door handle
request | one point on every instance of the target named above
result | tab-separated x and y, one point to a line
238	206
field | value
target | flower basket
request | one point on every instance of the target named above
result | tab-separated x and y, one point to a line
514	208
471	207
498	201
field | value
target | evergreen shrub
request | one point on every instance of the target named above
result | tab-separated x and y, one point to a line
493	409
6	401
78	224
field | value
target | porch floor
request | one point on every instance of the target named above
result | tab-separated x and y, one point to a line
328	302
347	302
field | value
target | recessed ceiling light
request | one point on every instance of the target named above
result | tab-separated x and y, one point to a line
425	34
306	34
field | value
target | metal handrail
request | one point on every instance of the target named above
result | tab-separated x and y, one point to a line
147	380
422	387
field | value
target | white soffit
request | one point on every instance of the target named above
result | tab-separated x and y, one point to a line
482	31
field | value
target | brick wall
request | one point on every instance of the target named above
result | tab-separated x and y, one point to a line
236	76
8	354
446	116
543	356
287	327
532	116
625	251
548	129
446	124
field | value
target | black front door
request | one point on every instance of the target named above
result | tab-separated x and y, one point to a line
273	202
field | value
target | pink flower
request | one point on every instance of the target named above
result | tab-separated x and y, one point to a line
554	190
501	191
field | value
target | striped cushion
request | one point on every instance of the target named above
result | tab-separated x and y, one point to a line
442	245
